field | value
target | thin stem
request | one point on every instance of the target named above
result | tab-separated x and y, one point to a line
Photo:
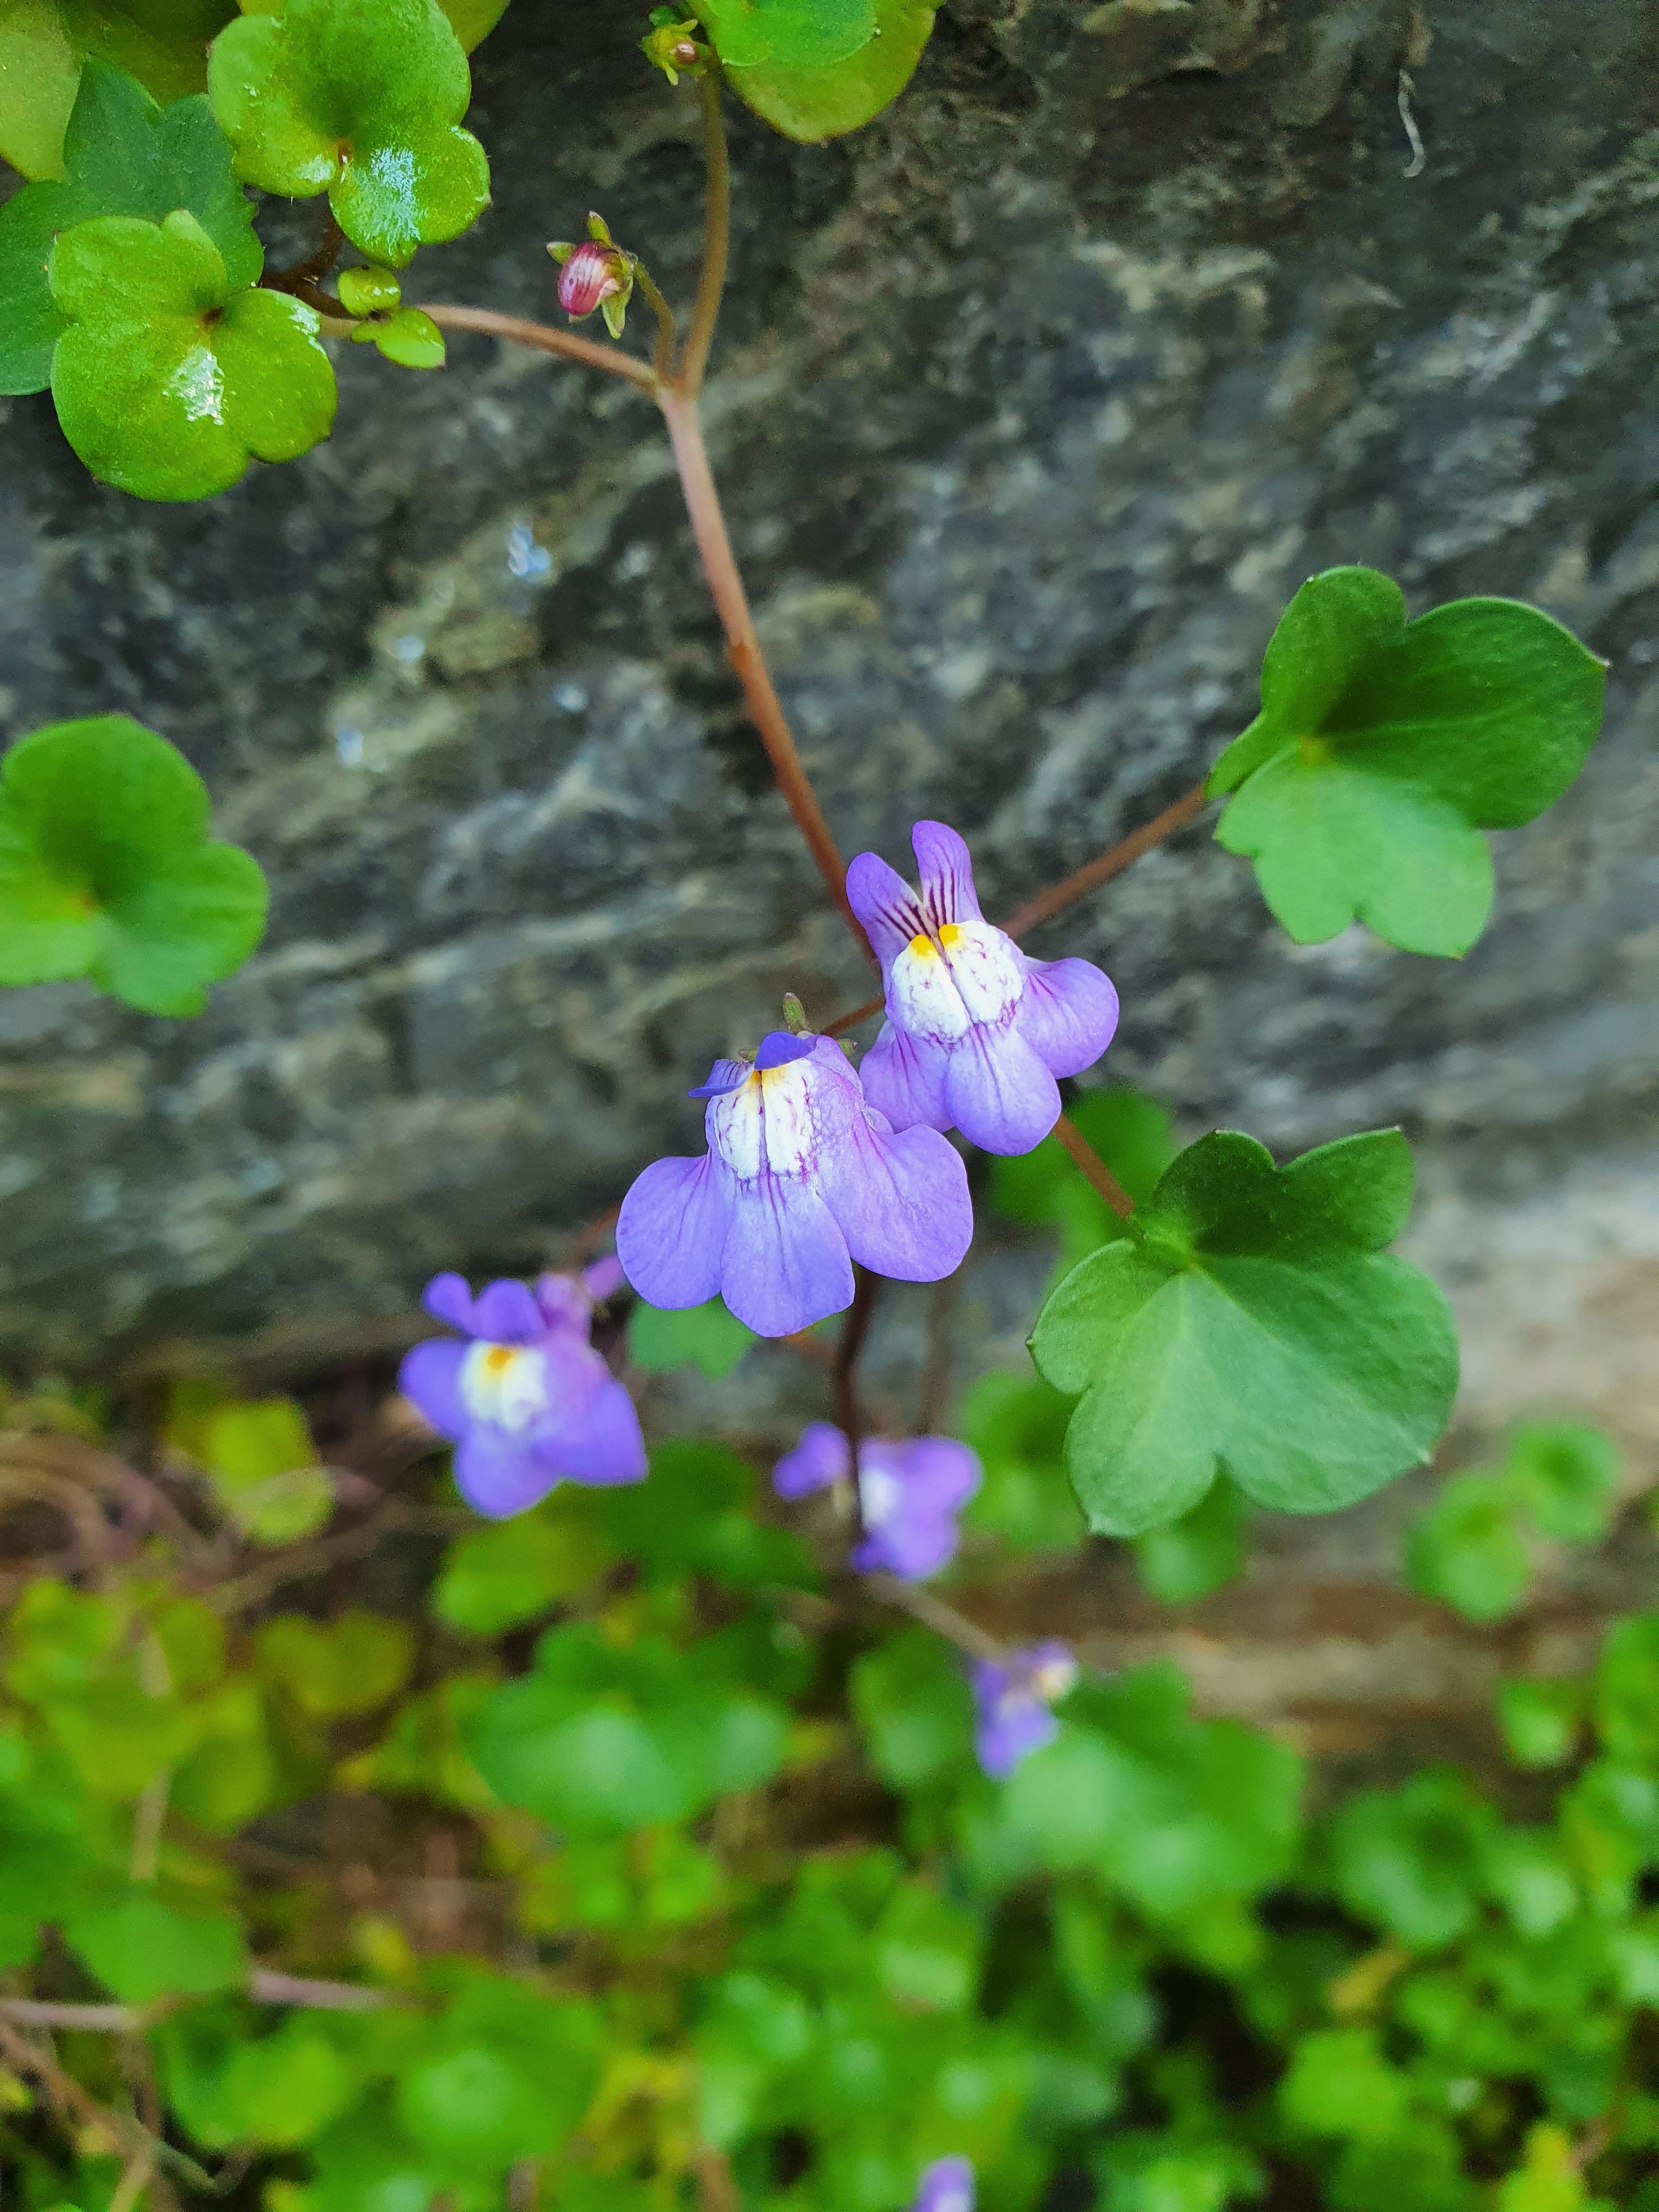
843	1380
716	238
266	1986
925	1605
720	568
662	361
1094	1167
851	1021
565	344
1086	879
314	267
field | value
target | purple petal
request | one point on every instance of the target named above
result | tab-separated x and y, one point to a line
1010	1732
446	1298
901	1200
785	1265
429	1378
605	1446
947	874
1068	1015
947	2185
507	1312
820	1458
604	1279
903	1078
998	1092
564	1304
886	905
912	1546
724	1075
672	1229
779	1047
938	1469
500	1474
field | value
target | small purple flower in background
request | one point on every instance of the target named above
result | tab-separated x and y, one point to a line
528	1402
1011	1699
975	1033
910	1492
801	1179
947	2185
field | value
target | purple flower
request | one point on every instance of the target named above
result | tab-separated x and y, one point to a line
910	1492
975	1033
593	274
947	2185
528	1402
1012	1700
801	1179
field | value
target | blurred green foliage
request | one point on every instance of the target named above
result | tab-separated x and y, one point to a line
640	1873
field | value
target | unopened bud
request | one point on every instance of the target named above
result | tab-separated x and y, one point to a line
794	1015
591	274
672	45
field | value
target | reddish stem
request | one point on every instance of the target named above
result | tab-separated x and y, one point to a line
1094	1167
1086	879
565	344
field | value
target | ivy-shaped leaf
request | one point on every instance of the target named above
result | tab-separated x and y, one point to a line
1384	748
1250	1324
44	43
169	380
823	98
122	155
363	100
106	869
790	33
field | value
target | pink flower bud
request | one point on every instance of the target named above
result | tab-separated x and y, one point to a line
593	273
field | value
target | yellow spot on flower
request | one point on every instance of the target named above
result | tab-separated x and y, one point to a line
497	1359
949	931
923	946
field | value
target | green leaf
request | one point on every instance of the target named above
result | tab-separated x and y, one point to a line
409	337
692	1517
927	1951
1411	1859
1251	1325
360	98
169	380
497	1578
708	1337
1469	1550
1017	1424
143	1949
348	1666
282	2089
599	1740
472	20
790	33
43	43
1135	1136
1627	1692
1384	748
1542	1718
509	2077
1550	2180
106	870
1186	1559
368	291
1175	1813
912	1703
1569	1477
122	155
264	1467
824	100
1339	2083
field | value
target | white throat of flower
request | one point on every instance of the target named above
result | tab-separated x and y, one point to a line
765	1125
880	1493
941	986
506	1383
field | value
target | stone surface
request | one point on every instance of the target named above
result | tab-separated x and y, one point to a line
1035	402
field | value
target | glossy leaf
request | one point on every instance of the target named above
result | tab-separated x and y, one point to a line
107	870
168	380
789	33
44	43
122	155
368	291
1384	748
409	337
360	98
809	102
1250	1324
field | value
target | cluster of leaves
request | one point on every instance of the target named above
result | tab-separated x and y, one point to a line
659	1874
1476	1547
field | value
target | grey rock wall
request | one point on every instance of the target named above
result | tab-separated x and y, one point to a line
1034	403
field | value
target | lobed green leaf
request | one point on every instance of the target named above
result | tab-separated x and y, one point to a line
1250	1325
1384	749
44	45
106	870
824	97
